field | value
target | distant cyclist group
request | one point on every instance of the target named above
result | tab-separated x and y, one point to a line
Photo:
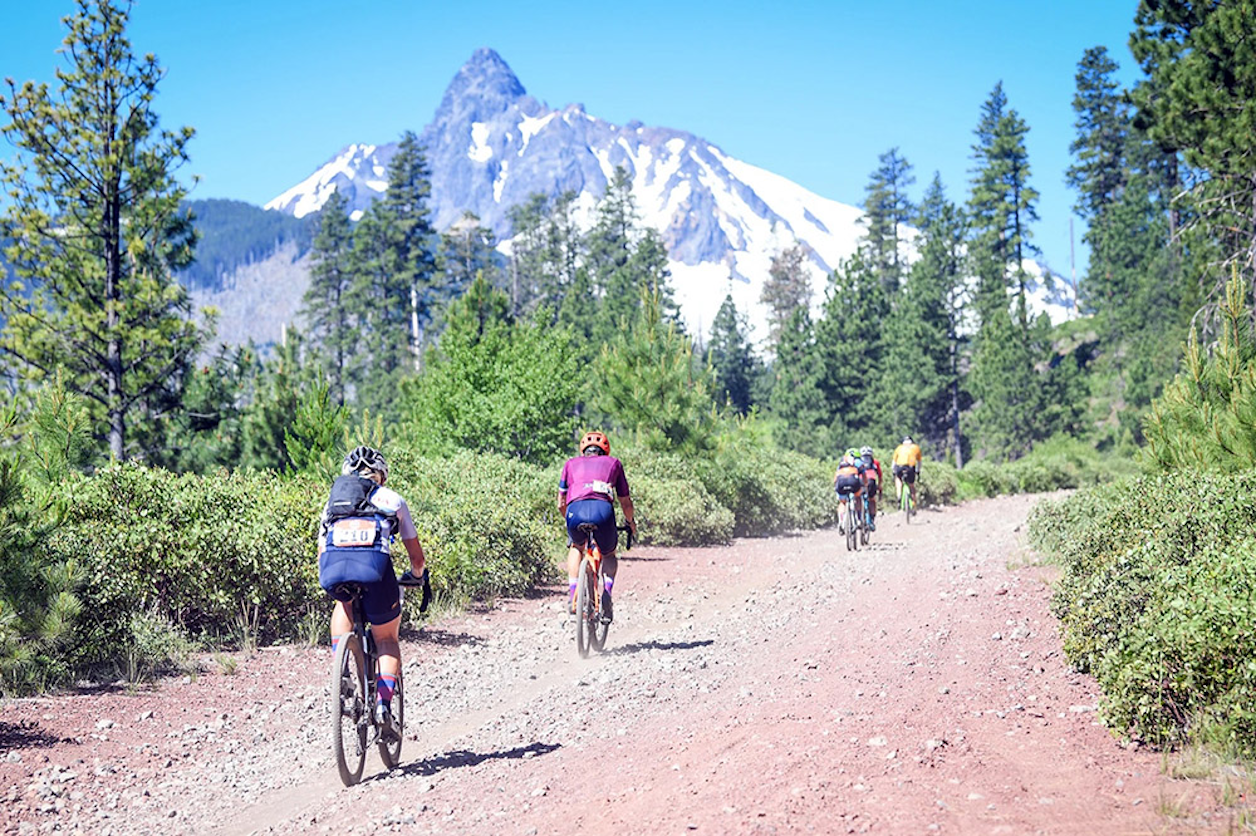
859	481
362	518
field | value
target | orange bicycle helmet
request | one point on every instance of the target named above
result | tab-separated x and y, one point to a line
595	439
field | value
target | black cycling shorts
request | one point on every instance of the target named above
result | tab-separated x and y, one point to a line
849	484
906	472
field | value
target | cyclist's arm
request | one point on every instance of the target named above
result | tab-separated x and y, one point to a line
418	561
410	538
630	514
562	503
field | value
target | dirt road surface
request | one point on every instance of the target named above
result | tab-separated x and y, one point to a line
779	685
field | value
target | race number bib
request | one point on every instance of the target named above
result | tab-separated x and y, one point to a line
598	486
347	534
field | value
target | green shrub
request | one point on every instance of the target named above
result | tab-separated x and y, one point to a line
938	485
190	548
488	523
673	506
1157	601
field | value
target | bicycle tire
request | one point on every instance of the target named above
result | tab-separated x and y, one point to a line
348	683
863	526
585	608
390	749
598	628
852	541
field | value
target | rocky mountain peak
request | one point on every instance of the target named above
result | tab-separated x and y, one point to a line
483	87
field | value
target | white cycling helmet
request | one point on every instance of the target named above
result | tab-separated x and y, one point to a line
364	457
865	451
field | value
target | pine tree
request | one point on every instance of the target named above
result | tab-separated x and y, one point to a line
1200	99
798	399
887	209
625	263
649	382
96	230
731	358
850	344
467	250
494	384
326	306
394	269
922	380
1002	205
1103	126
787	288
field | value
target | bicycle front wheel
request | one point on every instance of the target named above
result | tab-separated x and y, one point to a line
347	702
390	748
852	541
586	607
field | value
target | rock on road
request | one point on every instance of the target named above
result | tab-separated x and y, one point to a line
778	685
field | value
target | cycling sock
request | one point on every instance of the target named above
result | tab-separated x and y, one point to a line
609	583
571	587
335	642
387	684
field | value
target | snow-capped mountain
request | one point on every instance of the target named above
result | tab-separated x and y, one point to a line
491	145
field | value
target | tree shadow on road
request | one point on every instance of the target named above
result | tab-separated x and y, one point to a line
461	758
644	559
637	647
26	734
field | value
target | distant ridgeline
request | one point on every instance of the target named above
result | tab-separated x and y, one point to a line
234	233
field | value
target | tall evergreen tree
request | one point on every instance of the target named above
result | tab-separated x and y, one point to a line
731	358
394	279
1103	126
1002	205
326	306
850	343
922	380
1200	98
96	230
798	398
626	264
467	249
787	288
887	209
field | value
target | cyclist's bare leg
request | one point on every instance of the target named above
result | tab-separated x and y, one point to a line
341	620
387	645
574	554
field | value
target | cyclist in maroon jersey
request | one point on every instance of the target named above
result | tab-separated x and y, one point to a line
587	489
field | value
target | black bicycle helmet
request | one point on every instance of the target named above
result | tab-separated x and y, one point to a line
364	457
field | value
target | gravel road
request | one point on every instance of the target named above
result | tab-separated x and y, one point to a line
778	685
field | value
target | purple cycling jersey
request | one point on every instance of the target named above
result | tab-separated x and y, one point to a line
593	477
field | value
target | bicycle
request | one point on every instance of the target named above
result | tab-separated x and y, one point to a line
591	628
905	502
354	685
865	524
852	523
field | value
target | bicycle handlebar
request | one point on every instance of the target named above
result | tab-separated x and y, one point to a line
628	546
424	580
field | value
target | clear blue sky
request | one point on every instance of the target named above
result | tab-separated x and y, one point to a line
810	90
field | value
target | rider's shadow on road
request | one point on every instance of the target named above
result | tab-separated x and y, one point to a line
462	757
637	647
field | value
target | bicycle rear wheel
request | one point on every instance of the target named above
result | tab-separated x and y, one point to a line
598	627
390	748
863	523
586	607
347	701
852	541
904	501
